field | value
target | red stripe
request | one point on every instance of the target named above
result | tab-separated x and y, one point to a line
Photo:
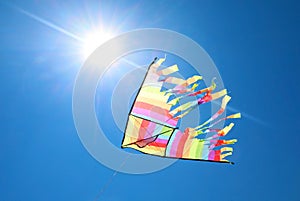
181	144
220	111
157	144
143	129
220	142
217	155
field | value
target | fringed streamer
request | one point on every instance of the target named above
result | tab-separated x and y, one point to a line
205	90
181	83
158	63
225	100
176	98
153	120
168	70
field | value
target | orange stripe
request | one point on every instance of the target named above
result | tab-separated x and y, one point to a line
181	144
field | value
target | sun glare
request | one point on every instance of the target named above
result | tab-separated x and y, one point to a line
92	41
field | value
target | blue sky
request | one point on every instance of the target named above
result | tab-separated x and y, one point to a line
255	46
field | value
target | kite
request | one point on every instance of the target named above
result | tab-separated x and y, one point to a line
152	124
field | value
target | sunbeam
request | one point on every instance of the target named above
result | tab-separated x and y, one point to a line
49	24
90	40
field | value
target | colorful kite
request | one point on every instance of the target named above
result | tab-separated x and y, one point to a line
152	125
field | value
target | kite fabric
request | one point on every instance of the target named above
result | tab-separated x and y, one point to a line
152	125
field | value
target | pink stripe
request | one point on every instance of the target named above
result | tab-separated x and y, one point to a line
140	111
161	141
152	114
155	116
211	155
175	143
150	129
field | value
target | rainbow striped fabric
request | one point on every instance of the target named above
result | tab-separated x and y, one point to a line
152	125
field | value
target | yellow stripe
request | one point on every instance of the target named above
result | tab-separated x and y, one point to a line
158	63
199	149
223	149
219	94
192	149
168	70
154	102
131	133
225	100
227	128
175	80
234	116
193	79
154	93
187	147
182	107
224	155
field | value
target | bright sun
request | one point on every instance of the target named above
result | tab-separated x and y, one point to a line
94	40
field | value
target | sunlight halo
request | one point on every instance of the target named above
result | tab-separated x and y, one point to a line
93	40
